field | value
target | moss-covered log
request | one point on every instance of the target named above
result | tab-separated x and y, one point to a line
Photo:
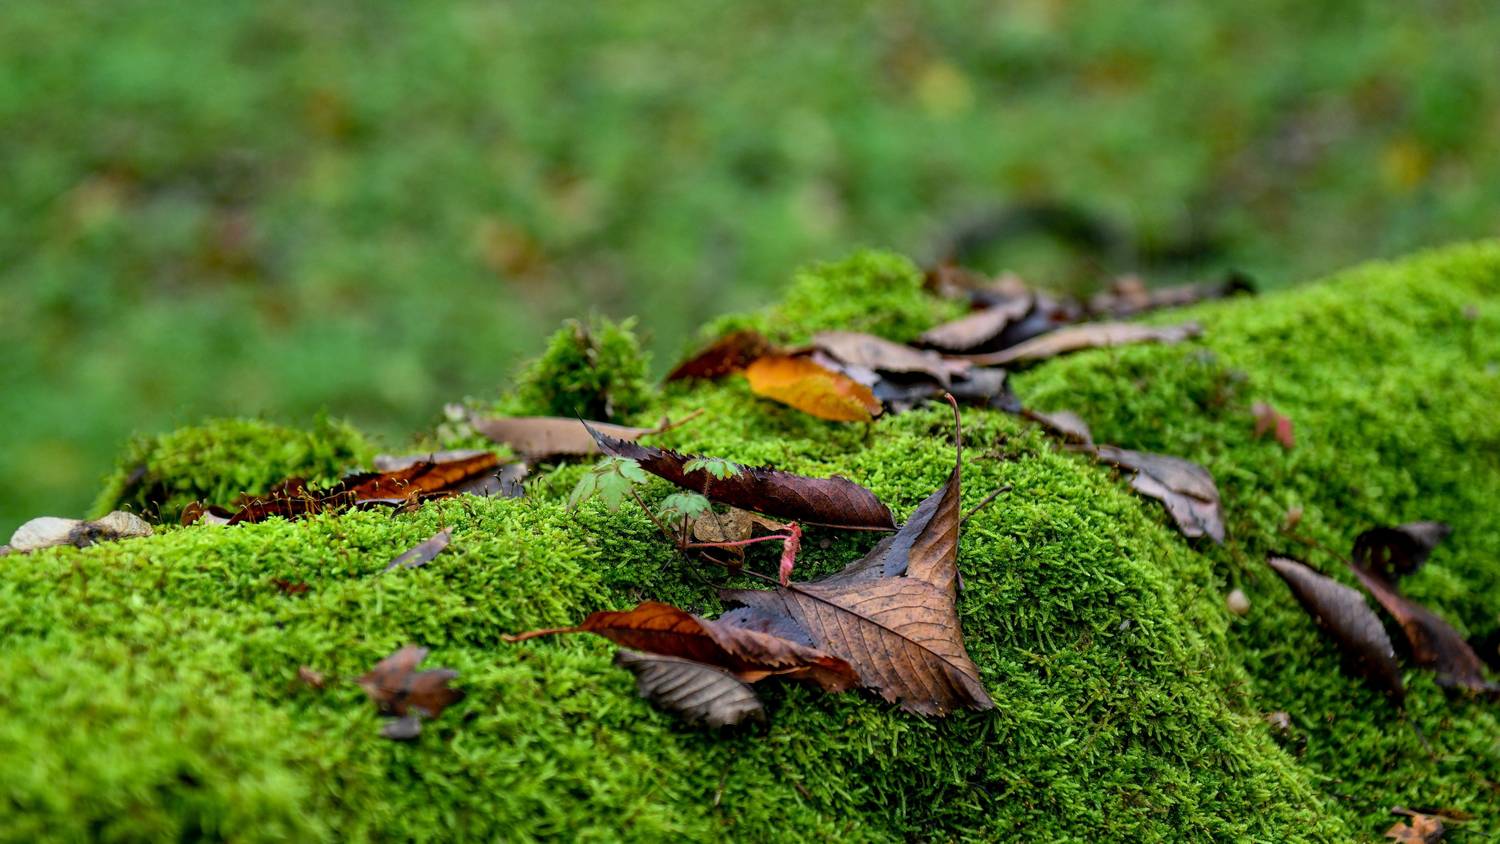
149	691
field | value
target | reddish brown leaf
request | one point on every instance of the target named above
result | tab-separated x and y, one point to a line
210	515
1093	335
288	587
423	553
419	481
542	437
730	353
1268	420
1342	613
1186	488
890	613
881	355
398	689
1394	552
750	655
697	692
1417	828
831	502
979	330
1434	643
801	383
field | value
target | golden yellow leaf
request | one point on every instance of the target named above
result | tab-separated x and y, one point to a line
812	389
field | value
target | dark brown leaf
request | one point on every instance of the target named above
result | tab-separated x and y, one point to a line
697	692
1342	612
890	613
751	655
983	386
1434	643
423	553
1130	296
419	481
980	330
213	514
1093	335
542	437
832	502
288	587
1268	420
398	689
1394	552
730	353
1186	488
881	355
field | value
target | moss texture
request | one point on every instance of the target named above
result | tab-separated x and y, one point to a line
149	685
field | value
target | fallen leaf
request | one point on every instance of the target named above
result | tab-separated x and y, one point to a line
212	514
1394	552
980	330
419	481
1186	488
733	526
288	587
398	689
1093	335
1064	424
1342	612
313	679
1130	296
1268	420
49	531
751	655
730	353
881	355
423	553
801	383
891	613
504	482
697	692
830	502
983	386
542	437
1417	828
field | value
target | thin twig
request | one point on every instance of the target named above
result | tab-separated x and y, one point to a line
985	503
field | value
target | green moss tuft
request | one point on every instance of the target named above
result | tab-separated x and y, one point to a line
148	683
594	370
220	459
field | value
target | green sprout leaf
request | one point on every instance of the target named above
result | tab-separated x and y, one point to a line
682	505
609	481
717	467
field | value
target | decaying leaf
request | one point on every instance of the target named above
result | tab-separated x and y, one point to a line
398	689
1394	552
1063	424
1342	612
800	382
289	587
699	693
422	554
751	655
50	531
1269	420
730	353
831	502
1186	488
1417	828
983	386
212	514
733	526
1093	335
504	482
880	355
1130	296
1434	642
313	679
422	480
891	613
980	330
543	437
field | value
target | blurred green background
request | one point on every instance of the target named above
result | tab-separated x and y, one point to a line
275	208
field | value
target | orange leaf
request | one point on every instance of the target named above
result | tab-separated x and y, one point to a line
812	389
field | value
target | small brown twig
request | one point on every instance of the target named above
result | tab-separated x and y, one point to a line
985	503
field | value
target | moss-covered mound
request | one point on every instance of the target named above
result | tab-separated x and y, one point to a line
149	690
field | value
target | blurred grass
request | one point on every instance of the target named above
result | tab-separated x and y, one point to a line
274	208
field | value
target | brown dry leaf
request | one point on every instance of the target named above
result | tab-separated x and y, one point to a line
289	587
212	514
697	692
504	482
398	689
1063	424
1186	488
1417	828
979	330
313	679
541	437
1434	643
730	353
984	386
49	531
813	389
419	481
751	655
890	613
734	526
1093	335
882	355
422	554
1269	420
1130	296
1342	612
1394	552
830	502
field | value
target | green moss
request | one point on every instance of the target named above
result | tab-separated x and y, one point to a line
222	458
149	684
594	371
